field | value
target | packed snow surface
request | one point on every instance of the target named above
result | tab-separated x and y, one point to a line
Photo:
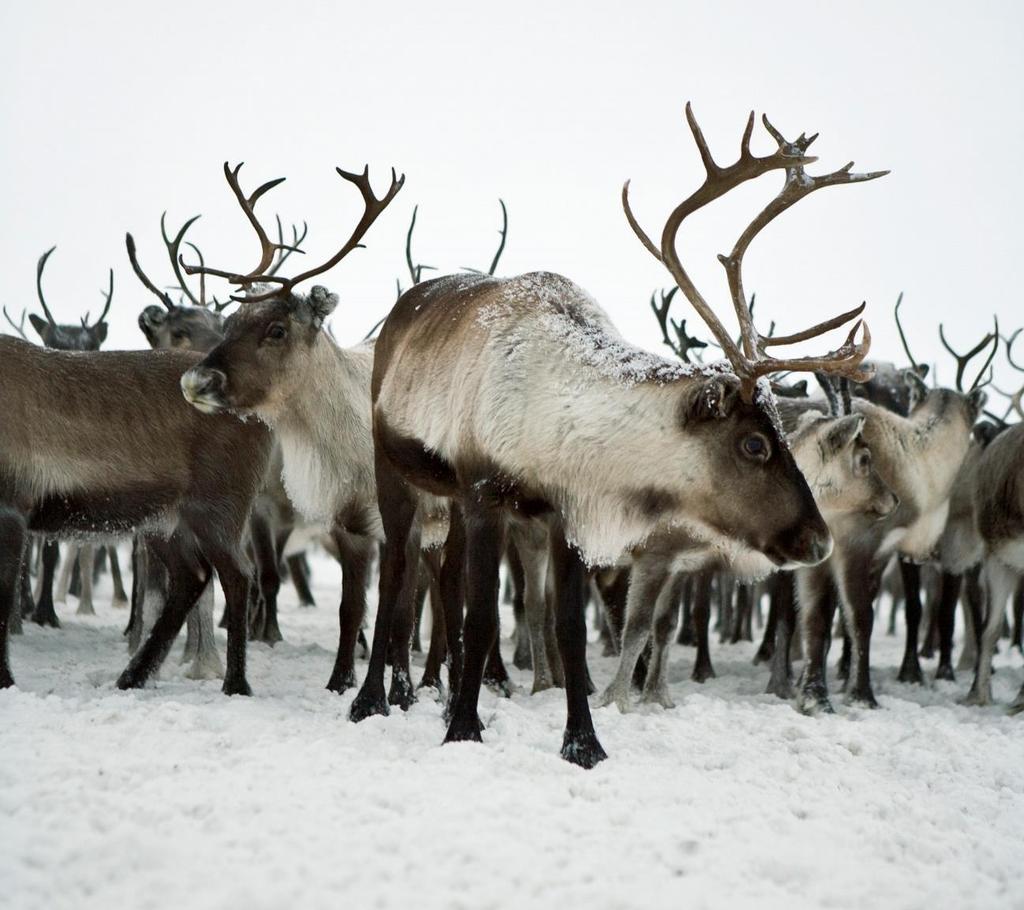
178	797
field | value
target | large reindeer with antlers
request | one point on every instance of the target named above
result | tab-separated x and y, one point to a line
614	443
278	364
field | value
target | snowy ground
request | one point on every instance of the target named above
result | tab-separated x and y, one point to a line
179	797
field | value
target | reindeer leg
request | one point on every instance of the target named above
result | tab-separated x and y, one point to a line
431	678
265	549
817	595
1017	635
783	605
647	579
86	557
453	596
1000	582
45	614
13	535
397	581
767	647
910	669
299	574
484	545
859	584
522	658
946	618
355	554
580	745
187	578
666	615
702	669
206	663
974	617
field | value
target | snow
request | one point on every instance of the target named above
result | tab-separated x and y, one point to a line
177	796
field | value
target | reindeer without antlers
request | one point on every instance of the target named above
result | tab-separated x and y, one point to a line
518	399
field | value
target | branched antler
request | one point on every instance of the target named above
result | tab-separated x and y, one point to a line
285	250
683	343
19	326
749	358
372	210
39	285
962	360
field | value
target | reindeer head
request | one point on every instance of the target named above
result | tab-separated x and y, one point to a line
269	343
756	491
66	337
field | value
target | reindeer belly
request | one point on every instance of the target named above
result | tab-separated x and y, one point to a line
105	515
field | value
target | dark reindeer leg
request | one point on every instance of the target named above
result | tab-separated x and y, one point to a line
783	606
495	674
44	613
910	669
484	526
767	647
235	573
438	635
12	550
453	596
188	577
265	551
687	634
120	597
702	668
398	565
946	617
580	745
1017	635
23	599
422	589
741	614
300	579
974	616
818	599
355	555
522	657
860	581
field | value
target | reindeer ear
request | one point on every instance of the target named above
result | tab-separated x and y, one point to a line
40	325
918	387
713	400
976	401
321	303
100	329
922	370
843	432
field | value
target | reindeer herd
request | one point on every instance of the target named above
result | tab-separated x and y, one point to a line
505	420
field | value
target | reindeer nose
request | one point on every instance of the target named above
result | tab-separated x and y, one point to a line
202	384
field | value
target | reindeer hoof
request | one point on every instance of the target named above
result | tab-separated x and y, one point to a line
945	671
910	672
814	702
131	678
582	749
618	696
401	695
977	698
465	729
341	681
702	673
658	696
864	698
503	687
236	686
780	688
205	668
368	703
6	680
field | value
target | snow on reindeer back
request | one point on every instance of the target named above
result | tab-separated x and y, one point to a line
566	313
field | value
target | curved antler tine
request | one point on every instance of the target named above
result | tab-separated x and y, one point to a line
173	246
165	299
899	328
979	381
702	144
748	132
827	326
109	294
775	134
1009	351
504	236
635	225
40	265
248	207
202	274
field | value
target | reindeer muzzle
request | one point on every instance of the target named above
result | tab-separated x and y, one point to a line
204	389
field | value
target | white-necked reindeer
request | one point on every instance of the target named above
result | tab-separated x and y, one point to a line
277	363
518	399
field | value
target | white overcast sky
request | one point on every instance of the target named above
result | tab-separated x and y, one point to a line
112	112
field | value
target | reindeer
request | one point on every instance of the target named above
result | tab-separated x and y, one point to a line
612	443
276	363
188	481
67	337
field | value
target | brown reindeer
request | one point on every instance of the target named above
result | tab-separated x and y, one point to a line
519	400
188	480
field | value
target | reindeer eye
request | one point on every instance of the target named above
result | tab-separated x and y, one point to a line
864	462
276	331
756	446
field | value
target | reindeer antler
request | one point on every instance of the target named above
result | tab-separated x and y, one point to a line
18	327
683	343
748	358
109	294
39	284
962	360
372	210
285	250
